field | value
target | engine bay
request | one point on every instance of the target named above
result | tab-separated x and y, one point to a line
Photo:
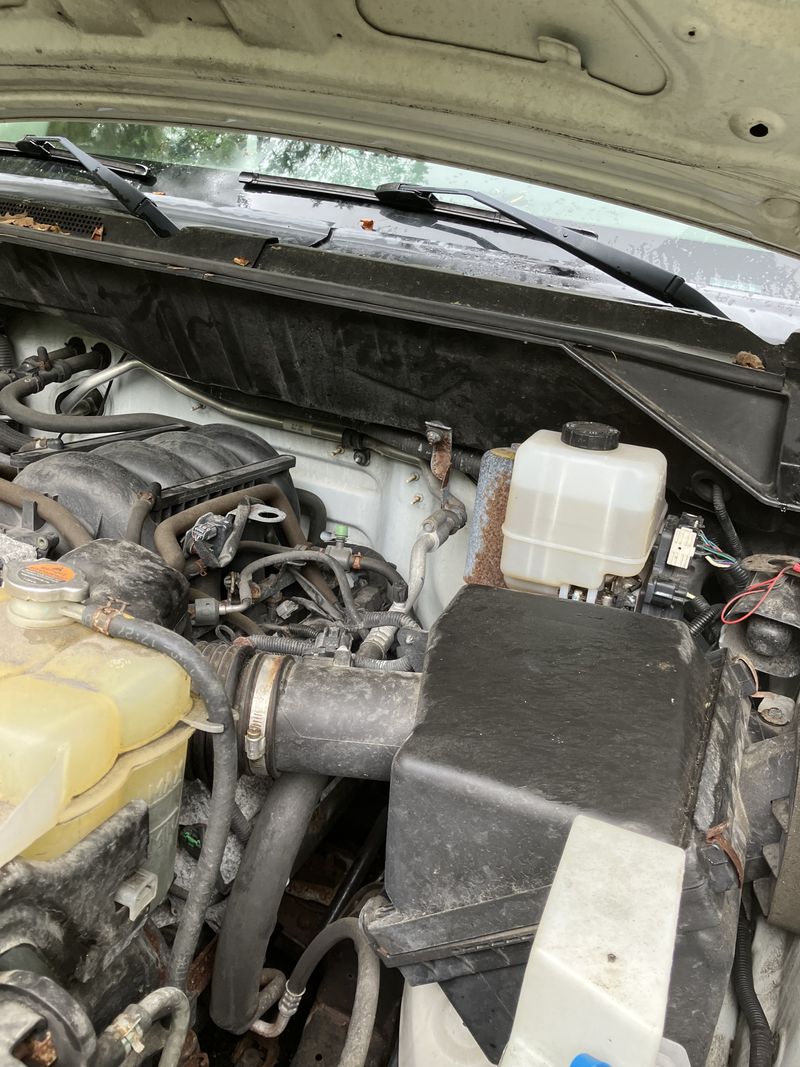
270	689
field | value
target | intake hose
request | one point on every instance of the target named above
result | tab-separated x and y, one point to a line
252	909
68	526
12	396
729	535
749	1004
207	685
362	1018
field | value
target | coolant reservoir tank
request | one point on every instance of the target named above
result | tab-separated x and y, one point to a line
581	506
87	723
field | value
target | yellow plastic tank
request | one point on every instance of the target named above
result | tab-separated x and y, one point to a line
87	723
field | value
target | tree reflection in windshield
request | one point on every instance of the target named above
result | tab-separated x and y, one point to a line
230	150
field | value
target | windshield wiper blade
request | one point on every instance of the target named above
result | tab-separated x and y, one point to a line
632	271
140	171
134	201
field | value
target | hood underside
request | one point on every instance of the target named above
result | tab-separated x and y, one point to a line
686	108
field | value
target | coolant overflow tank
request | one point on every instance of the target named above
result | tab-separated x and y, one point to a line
581	506
87	723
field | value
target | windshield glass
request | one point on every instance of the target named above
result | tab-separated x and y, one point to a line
707	259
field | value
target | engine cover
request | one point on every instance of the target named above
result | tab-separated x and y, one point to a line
534	709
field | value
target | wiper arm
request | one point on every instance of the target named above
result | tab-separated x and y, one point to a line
632	271
140	171
134	201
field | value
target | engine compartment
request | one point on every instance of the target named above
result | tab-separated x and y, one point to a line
351	665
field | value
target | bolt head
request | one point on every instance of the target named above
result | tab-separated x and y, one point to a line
434	437
775	716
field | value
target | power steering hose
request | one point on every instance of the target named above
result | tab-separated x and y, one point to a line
362	1018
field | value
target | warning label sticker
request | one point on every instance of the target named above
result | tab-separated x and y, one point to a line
46	572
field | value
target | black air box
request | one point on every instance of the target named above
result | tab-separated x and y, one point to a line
535	709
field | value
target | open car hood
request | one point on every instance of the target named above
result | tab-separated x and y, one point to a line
686	108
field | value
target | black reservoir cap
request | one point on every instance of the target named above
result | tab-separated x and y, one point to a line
594	436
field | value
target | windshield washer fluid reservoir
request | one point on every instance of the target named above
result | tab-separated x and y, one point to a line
87	723
581	506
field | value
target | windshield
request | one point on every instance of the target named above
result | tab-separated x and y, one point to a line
707	259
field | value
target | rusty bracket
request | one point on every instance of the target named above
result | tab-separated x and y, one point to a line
719	837
440	438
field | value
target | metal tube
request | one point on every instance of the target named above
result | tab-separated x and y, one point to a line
100	377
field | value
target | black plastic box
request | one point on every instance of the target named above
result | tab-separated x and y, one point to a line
536	709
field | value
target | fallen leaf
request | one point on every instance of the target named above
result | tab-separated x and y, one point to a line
97	233
29	223
368	224
749	359
240	261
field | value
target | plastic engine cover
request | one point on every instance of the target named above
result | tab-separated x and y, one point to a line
533	710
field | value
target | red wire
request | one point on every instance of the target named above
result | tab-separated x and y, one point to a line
765	588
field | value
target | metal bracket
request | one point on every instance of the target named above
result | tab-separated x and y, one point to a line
440	438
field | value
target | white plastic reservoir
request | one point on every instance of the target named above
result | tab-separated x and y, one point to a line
581	506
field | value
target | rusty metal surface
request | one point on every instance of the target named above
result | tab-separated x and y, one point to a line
485	536
38	1051
254	1051
440	438
191	1054
201	970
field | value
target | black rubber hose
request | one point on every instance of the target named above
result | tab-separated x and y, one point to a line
207	685
362	1018
749	1004
729	535
145	502
314	507
252	909
397	583
12	396
12	440
68	526
704	619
